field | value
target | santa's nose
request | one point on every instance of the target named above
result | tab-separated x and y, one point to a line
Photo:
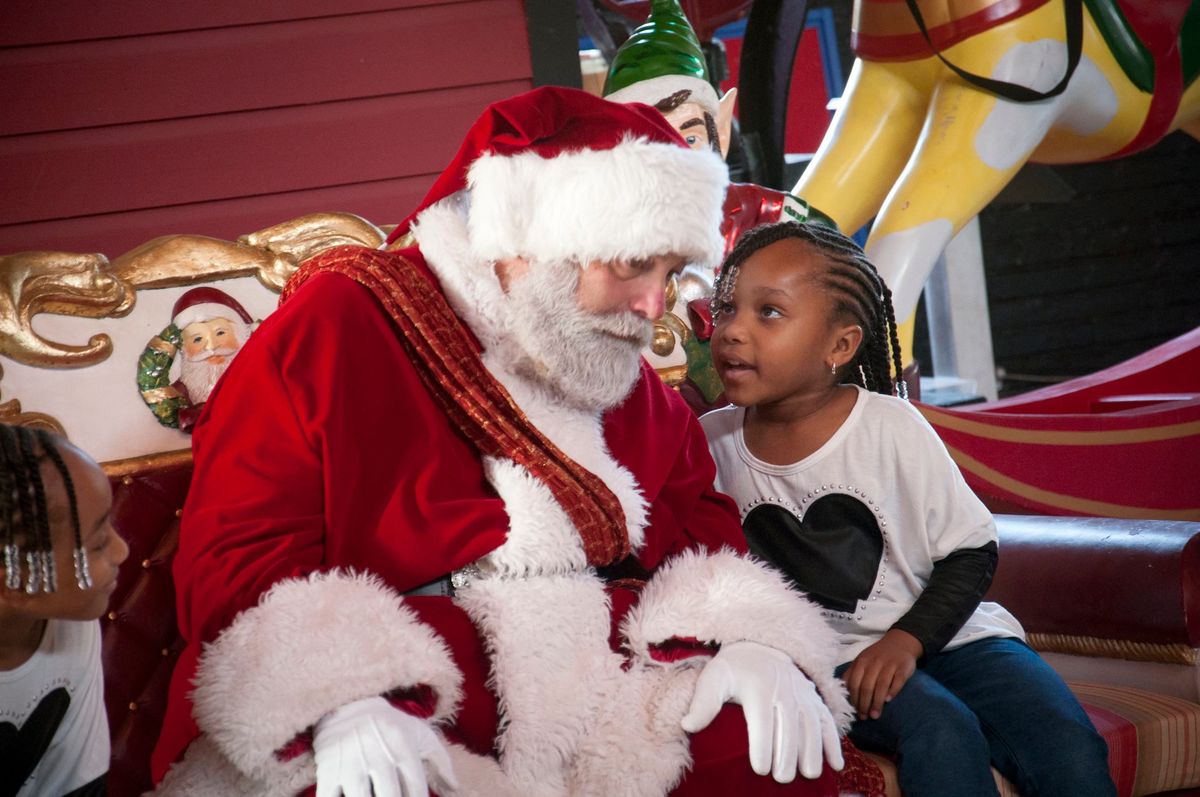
649	302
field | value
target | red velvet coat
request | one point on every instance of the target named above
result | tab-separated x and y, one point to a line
321	448
321	454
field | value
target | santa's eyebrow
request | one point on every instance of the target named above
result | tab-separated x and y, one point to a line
695	121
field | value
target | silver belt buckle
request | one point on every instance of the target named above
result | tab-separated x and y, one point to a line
462	577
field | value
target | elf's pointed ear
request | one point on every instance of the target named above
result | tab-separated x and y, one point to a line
725	119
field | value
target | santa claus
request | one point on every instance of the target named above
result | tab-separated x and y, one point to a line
448	532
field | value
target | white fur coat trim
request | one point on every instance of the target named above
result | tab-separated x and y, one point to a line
205	772
724	598
469	283
574	721
635	200
580	436
308	647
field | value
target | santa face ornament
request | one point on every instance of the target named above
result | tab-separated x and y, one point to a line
216	340
208	347
208	327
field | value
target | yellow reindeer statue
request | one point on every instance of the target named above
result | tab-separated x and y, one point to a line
918	144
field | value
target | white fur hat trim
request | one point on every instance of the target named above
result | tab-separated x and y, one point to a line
636	200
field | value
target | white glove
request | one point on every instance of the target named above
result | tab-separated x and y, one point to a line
371	744
786	720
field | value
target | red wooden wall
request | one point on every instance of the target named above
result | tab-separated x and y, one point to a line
120	122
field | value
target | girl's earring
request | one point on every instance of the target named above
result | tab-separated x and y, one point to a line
833	368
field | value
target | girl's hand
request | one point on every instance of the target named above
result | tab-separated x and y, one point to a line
880	671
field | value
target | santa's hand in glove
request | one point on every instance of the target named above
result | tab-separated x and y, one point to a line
788	724
371	747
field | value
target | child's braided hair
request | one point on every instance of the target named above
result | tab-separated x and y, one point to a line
858	293
24	518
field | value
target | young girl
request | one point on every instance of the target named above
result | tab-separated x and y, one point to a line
849	491
59	567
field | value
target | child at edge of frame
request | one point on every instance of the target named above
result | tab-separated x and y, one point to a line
57	571
847	490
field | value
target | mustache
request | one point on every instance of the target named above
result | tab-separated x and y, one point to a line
224	351
629	326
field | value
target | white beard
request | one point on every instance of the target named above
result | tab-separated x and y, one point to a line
200	375
591	361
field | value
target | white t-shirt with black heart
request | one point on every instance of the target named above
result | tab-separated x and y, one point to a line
52	713
887	468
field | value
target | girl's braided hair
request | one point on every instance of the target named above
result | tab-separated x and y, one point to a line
24	518
857	290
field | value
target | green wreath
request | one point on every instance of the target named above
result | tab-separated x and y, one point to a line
154	377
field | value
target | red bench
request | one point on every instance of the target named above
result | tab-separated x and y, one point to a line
1113	604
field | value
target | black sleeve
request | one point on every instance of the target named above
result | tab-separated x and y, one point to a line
955	588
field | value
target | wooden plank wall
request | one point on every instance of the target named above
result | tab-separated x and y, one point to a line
120	122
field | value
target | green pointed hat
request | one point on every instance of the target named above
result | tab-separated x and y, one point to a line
661	57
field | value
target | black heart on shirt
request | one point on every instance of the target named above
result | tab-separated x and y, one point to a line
833	554
24	747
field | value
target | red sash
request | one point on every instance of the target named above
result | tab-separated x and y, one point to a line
447	357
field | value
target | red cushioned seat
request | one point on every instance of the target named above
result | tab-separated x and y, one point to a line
1154	739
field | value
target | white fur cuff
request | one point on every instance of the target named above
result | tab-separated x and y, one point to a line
724	597
310	646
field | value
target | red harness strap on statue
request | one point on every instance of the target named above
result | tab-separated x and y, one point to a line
885	30
448	360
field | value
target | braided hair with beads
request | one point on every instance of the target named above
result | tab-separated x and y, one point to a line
857	290
24	517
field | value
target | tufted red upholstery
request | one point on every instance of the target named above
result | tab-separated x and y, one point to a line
140	638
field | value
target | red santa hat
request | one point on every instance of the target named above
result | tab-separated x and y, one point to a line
557	173
205	304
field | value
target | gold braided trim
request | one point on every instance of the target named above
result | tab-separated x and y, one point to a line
156	394
158	344
118	468
1174	653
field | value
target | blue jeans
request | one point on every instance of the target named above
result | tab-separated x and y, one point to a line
994	702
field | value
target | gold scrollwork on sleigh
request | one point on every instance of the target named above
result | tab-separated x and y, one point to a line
62	283
88	285
10	413
670	330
